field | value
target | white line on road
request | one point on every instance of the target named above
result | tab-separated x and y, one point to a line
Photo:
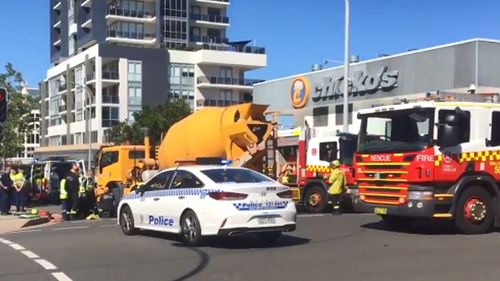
30	254
17	247
60	276
46	264
25	231
311	215
73	227
107	225
5	241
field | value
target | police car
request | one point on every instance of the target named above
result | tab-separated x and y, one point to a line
199	201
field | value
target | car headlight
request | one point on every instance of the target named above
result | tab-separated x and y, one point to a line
420	195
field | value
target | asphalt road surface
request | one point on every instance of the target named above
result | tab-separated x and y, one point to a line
324	247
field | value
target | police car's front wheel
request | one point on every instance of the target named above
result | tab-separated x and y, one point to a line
191	229
127	221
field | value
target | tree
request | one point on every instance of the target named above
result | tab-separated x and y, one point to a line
157	119
18	116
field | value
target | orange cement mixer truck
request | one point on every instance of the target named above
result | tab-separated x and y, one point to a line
238	133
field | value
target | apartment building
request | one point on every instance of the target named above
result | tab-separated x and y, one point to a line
111	57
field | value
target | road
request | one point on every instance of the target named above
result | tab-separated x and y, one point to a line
324	247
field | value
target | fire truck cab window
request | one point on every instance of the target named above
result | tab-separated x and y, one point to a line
495	129
328	151
464	126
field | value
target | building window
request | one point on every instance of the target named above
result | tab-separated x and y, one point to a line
110	116
110	95
320	116
339	114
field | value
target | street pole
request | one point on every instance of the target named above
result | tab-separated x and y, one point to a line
88	119
346	70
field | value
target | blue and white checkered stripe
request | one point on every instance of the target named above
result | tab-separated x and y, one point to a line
202	193
255	206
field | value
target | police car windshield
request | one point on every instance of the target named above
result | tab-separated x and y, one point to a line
399	130
235	175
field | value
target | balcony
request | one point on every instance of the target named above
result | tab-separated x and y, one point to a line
114	14
57	24
131	37
209	20
214	3
62	87
227	83
113	99
231	48
209	39
86	21
57	43
90	77
110	75
87	4
57	6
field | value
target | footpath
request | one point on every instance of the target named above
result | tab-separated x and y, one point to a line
16	222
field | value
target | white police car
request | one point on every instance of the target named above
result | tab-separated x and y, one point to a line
198	201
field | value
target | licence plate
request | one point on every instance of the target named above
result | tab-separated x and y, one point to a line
267	220
380	211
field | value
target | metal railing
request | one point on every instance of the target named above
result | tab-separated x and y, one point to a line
131	35
85	18
130	13
209	18
110	75
231	48
110	99
209	39
228	81
90	76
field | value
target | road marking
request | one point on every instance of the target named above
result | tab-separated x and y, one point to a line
60	276
30	254
17	247
5	241
107	225
25	231
46	264
73	227
311	215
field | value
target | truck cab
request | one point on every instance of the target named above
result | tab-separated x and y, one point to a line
115	166
432	160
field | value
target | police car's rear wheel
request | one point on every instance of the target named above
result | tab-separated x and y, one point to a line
127	221
191	230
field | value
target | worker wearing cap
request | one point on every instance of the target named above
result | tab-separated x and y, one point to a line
337	186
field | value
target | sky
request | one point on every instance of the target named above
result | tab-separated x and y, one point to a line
295	33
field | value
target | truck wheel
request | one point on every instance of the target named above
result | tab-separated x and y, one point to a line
315	199
191	229
474	211
127	221
397	223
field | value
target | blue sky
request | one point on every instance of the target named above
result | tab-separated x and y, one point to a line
296	35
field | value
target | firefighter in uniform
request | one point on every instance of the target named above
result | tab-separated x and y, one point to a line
285	174
63	196
337	186
72	185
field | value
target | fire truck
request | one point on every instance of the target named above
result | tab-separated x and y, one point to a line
433	159
309	152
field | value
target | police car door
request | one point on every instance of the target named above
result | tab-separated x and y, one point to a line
150	195
185	193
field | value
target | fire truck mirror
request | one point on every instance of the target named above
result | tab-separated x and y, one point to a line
451	130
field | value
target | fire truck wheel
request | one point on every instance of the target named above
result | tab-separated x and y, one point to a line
315	199
127	221
474	211
397	223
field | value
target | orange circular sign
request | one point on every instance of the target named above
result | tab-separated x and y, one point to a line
299	92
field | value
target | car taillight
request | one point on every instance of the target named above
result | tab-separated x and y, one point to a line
221	195
285	194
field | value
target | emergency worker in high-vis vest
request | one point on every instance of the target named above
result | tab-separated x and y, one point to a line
337	182
63	197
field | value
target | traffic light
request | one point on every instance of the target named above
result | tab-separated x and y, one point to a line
3	105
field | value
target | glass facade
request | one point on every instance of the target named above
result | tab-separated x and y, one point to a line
134	88
182	83
174	26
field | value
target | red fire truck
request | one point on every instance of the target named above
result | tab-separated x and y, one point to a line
310	159
435	159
